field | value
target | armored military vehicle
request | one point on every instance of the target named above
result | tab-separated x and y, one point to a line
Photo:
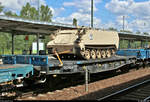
86	43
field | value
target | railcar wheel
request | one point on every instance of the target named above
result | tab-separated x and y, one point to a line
98	54
103	54
93	54
108	53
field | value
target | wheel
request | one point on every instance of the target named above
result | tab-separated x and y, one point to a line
87	54
103	54
82	53
98	54
108	53
93	54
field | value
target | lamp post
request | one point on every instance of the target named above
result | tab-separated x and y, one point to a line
92	13
38	33
39	10
123	23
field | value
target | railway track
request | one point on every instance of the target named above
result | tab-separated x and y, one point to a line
137	92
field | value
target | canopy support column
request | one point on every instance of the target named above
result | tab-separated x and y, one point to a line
129	43
38	44
142	44
12	51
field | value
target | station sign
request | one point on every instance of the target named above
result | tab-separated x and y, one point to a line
34	47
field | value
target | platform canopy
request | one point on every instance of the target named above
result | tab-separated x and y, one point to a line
19	26
24	26
132	36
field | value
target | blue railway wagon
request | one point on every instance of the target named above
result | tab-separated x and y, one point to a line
140	54
36	60
53	66
14	71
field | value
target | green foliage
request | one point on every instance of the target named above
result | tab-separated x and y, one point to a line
5	42
112	29
30	12
74	21
135	44
145	33
1	8
127	31
9	13
45	13
27	12
123	44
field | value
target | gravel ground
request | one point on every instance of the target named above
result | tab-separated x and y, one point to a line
96	89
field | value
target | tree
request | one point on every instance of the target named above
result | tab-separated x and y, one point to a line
112	29
9	13
30	12
33	13
1	8
74	21
145	33
26	11
45	13
127	31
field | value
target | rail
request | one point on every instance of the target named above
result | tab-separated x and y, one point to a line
125	90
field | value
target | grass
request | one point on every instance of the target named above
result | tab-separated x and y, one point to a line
9	52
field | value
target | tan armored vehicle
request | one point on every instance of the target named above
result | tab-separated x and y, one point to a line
84	43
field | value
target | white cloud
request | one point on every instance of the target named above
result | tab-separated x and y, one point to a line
83	19
82	5
120	7
139	11
2	13
65	20
123	7
140	25
16	5
53	10
69	4
82	13
57	11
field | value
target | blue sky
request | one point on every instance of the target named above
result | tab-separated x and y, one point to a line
107	13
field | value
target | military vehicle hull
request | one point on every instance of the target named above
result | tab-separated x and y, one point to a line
84	43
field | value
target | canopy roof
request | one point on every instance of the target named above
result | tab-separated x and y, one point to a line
132	36
24	26
21	26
